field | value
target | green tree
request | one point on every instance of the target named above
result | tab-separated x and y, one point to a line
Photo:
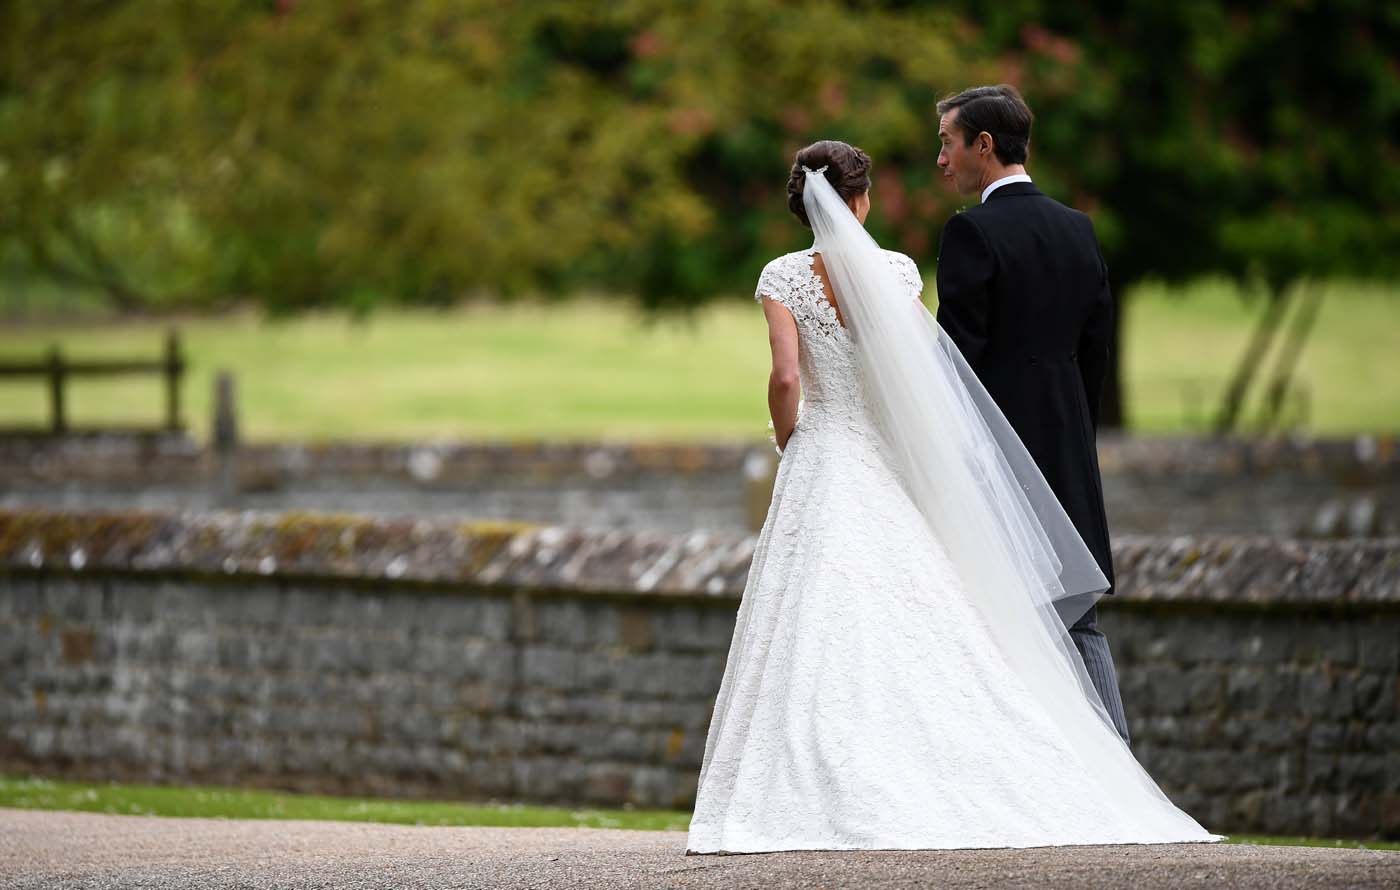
364	151
89	191
352	153
1255	139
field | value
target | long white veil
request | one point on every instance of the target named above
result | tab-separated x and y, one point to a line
1023	563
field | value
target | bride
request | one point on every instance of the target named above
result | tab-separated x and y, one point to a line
900	675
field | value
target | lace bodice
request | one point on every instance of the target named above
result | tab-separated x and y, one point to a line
826	354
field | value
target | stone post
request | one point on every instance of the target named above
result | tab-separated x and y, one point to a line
225	440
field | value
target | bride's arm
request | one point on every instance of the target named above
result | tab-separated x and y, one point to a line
783	382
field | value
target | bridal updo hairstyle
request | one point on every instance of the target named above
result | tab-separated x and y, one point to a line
847	169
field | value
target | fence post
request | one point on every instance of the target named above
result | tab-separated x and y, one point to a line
174	368
225	439
56	374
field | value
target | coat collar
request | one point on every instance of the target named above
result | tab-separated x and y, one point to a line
1014	190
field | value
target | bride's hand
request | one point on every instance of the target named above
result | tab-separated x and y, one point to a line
773	433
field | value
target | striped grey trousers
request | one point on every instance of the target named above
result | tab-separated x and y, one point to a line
1093	645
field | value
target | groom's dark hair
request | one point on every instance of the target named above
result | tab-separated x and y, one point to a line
999	111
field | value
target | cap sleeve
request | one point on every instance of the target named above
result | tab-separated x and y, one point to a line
774	283
908	273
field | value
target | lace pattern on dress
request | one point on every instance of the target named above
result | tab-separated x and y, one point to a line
865	703
791	281
831	387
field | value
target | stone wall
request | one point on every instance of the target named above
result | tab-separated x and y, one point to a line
1315	488
674	487
1323	488
346	654
401	691
1280	722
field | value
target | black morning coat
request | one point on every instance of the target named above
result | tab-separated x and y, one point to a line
1023	292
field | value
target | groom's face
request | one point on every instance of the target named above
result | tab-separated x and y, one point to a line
960	163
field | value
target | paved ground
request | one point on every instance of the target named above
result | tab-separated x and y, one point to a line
81	850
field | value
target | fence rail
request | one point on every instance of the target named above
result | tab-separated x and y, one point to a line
57	370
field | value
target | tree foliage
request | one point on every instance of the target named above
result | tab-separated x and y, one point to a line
1251	138
1255	139
356	152
363	151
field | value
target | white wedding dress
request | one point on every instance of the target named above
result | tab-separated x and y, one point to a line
865	705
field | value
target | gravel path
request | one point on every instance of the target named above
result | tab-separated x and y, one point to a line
80	850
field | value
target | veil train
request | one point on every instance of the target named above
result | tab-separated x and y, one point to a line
1028	572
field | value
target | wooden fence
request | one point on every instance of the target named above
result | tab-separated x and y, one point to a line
58	369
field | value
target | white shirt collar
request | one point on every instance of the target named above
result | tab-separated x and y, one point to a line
1005	180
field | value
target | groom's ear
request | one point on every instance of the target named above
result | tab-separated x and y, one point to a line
985	143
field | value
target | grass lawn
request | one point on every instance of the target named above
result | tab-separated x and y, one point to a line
1182	347
234	803
592	369
230	803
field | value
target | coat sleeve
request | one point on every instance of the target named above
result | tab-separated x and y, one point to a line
1096	339
965	269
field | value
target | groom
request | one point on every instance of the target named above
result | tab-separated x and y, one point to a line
1023	292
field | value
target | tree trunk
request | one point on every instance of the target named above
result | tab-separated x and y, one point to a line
1287	360
1232	404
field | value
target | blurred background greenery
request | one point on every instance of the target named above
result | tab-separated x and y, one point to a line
594	368
539	219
